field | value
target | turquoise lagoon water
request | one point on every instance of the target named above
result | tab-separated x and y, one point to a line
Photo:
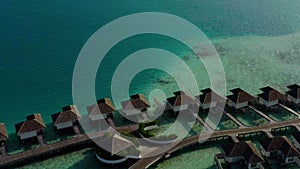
258	42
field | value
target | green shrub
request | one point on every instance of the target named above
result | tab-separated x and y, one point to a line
130	151
107	134
165	137
143	125
145	133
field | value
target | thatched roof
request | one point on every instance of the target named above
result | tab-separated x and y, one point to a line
103	106
3	132
34	122
294	91
208	95
69	113
244	149
115	144
136	101
280	143
180	98
240	96
270	94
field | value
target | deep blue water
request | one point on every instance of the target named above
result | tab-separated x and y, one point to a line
40	41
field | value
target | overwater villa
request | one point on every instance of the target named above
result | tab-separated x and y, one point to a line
102	110
206	101
137	105
293	95
239	99
242	153
32	127
270	97
3	135
180	102
3	138
279	148
68	117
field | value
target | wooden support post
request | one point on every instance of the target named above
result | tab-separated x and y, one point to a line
3	151
76	129
40	139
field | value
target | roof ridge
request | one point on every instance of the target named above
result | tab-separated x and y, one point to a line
21	127
39	122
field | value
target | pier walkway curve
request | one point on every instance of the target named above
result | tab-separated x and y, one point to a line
147	162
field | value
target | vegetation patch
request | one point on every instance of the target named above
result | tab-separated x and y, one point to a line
154	137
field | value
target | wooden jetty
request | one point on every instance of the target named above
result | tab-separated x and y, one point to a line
262	114
241	125
290	110
203	123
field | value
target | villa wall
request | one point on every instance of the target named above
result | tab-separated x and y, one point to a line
208	105
133	111
233	159
253	167
268	104
64	125
268	153
239	105
28	135
98	117
290	160
180	108
293	99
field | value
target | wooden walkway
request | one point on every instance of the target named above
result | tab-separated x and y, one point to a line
111	123
146	162
262	114
203	123
241	125
42	150
290	110
3	151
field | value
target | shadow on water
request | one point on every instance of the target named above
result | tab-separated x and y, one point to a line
15	145
51	135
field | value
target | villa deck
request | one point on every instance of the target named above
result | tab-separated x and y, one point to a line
262	114
202	122
290	110
234	119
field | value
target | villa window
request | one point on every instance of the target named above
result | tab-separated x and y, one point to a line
253	166
290	160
